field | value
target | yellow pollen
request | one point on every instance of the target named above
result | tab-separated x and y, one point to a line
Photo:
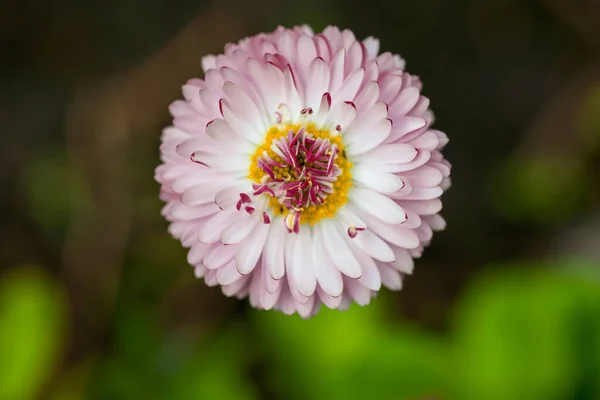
333	201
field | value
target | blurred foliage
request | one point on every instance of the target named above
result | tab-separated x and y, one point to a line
589	127
31	332
540	188
522	330
56	191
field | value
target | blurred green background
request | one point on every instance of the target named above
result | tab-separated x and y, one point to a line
98	302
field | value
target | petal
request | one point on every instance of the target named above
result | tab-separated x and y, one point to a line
359	293
332	302
423	207
338	250
397	235
228	274
275	248
389	154
328	276
238	231
211	230
196	253
425	193
251	248
381	182
374	246
390	278
377	205
371	139
404	261
218	255
370	277
424	176
302	270
318	84
403	126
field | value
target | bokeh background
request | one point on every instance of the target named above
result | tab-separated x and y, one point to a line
98	302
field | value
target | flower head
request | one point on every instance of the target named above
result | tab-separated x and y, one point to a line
302	170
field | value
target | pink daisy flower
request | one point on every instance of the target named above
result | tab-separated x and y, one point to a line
302	170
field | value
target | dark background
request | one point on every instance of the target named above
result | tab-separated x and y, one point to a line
98	302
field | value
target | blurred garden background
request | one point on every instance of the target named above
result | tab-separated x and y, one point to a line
97	301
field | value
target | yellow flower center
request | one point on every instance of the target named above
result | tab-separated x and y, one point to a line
330	203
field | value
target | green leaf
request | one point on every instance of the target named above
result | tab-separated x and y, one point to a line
217	371
518	334
31	328
352	355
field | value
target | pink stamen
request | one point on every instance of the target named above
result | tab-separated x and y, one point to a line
265	218
353	231
311	169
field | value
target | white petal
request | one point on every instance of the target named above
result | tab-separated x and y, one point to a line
270	296
374	246
292	96
425	193
424	176
328	276
350	86
198	195
366	119
397	235
275	248
228	274
427	140
404	261
359	293
271	285
243	105
388	154
390	277
370	277
340	254
337	71
240	124
377	205
197	252
381	182
238	231
423	207
368	96
372	46
211	230
302	269
218	255
422	157
405	101
237	288
290	245
228	197
187	213
199	271
342	115
226	162
405	125
331	302
370	139
251	248
208	62
318	84
436	221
